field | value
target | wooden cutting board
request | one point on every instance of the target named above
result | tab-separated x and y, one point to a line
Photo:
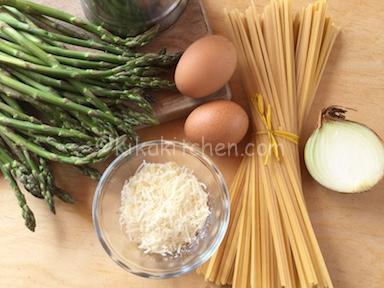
191	25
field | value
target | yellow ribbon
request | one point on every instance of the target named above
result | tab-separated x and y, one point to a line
265	113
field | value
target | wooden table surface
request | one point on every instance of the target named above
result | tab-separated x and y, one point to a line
64	251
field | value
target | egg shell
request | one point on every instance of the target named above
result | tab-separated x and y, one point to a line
206	66
216	122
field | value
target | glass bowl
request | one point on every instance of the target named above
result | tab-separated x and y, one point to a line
106	205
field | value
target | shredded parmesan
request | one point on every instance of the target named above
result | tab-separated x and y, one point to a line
163	208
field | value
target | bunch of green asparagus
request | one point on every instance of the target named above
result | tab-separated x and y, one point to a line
61	103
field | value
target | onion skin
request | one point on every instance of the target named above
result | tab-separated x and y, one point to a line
343	155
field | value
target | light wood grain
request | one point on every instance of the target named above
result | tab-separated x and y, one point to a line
64	251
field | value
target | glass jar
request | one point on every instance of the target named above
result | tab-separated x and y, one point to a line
131	17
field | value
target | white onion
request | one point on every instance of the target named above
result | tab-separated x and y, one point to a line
344	156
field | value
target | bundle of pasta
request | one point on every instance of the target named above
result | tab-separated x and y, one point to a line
270	241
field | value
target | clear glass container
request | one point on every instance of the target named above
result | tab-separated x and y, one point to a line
131	17
106	207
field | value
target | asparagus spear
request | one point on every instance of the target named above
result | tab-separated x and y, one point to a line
103	34
29	180
61	102
63	196
57	27
10	49
39	186
56	115
22	17
89	159
152	59
34	8
21	40
16	114
46	173
45	189
146	71
89	43
11	102
143	82
42	128
72	148
134	95
84	64
27	214
89	171
22	53
134	118
66	73
24	77
120	58
20	172
42	55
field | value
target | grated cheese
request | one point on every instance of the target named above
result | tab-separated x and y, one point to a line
163	208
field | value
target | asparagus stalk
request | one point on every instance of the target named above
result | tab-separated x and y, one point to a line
24	77
88	43
27	214
133	95
146	71
16	114
10	49
34	8
151	59
42	55
120	58
49	84
83	64
45	189
22	53
134	100
45	171
72	149
91	125
143	82
89	159
89	171
45	81
21	40
57	27
136	119
103	34
57	116
32	180
20	171
11	102
17	15
42	128
63	196
63	72
61	102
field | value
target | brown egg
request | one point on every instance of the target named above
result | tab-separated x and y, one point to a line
206	66
217	122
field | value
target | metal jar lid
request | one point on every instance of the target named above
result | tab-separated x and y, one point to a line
131	17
